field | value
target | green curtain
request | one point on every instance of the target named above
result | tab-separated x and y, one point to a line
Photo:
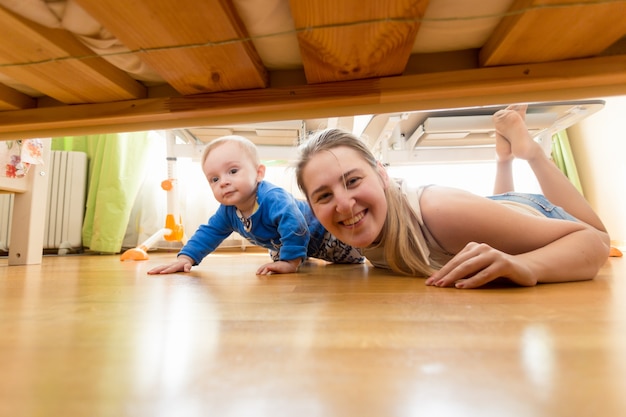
117	166
564	158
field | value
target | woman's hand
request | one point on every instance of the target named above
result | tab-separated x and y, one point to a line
279	267
478	264
182	264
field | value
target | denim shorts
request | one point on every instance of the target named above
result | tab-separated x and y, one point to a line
538	202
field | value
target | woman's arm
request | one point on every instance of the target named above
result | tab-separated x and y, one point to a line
491	241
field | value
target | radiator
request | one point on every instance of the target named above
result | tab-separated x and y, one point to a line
6	209
65	207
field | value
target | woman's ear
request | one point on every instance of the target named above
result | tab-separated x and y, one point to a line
384	175
260	172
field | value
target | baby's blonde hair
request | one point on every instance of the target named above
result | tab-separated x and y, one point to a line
399	234
246	145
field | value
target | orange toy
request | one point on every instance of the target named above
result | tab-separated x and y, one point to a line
173	230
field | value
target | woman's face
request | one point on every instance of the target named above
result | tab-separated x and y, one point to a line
347	195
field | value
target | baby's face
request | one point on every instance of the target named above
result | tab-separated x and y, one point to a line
232	174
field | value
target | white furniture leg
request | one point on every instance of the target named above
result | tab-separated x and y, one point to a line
29	215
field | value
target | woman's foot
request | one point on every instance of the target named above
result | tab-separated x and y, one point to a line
503	147
511	127
519	109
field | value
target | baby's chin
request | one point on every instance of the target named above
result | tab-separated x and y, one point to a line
229	201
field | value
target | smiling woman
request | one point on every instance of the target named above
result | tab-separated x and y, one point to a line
343	189
465	238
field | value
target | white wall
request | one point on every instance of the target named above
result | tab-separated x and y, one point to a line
599	147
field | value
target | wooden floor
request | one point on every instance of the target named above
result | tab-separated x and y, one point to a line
94	336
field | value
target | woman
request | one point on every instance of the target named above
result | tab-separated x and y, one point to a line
453	237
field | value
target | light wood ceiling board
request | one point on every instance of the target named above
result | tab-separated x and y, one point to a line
552	30
578	79
11	99
41	58
197	46
354	39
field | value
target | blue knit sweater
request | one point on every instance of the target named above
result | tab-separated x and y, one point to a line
281	223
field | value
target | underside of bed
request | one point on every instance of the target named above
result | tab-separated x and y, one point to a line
87	66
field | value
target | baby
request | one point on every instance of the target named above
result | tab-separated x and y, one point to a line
263	213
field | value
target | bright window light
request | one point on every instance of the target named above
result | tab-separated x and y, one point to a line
476	177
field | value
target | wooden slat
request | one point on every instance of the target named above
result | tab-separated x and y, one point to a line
187	42
355	39
552	30
37	57
578	79
11	99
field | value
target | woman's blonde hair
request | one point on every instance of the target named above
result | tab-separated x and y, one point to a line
246	145
399	235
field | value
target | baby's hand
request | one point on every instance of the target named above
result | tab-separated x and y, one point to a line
279	267
183	264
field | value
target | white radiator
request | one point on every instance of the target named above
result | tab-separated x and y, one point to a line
65	207
6	209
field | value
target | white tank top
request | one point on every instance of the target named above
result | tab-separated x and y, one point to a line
430	250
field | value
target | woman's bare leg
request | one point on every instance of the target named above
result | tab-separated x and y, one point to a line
504	166
554	184
504	158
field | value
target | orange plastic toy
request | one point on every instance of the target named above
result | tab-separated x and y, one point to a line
173	230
